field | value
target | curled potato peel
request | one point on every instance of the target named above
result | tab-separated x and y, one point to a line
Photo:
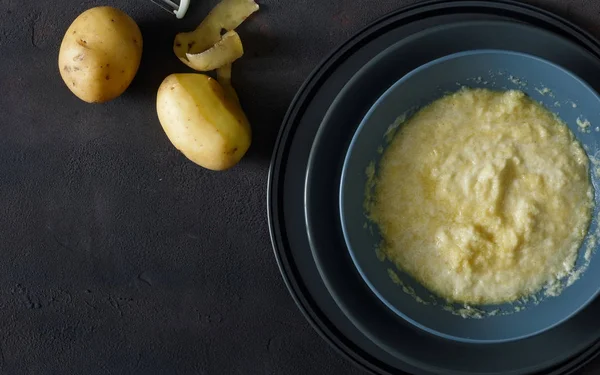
224	52
205	48
224	78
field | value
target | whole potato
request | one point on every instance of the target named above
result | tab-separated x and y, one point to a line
100	54
202	121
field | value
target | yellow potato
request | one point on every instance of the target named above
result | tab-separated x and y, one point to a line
100	54
203	120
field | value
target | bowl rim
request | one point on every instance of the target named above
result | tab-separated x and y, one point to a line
343	184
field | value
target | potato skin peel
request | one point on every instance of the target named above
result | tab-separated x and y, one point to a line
227	15
224	52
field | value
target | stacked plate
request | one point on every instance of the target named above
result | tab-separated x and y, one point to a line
314	245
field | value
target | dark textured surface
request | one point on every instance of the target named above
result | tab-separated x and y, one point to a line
119	256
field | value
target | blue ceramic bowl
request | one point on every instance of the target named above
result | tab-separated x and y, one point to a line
559	91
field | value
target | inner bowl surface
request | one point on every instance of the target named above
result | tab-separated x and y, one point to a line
559	91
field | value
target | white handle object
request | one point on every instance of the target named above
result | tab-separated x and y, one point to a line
183	7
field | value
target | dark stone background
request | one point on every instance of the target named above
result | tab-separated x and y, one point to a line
117	255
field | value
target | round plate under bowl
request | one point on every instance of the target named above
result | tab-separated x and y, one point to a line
386	343
559	91
377	322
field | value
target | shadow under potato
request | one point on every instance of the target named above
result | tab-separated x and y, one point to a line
265	104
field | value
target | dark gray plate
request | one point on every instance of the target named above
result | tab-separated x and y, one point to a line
323	179
290	157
